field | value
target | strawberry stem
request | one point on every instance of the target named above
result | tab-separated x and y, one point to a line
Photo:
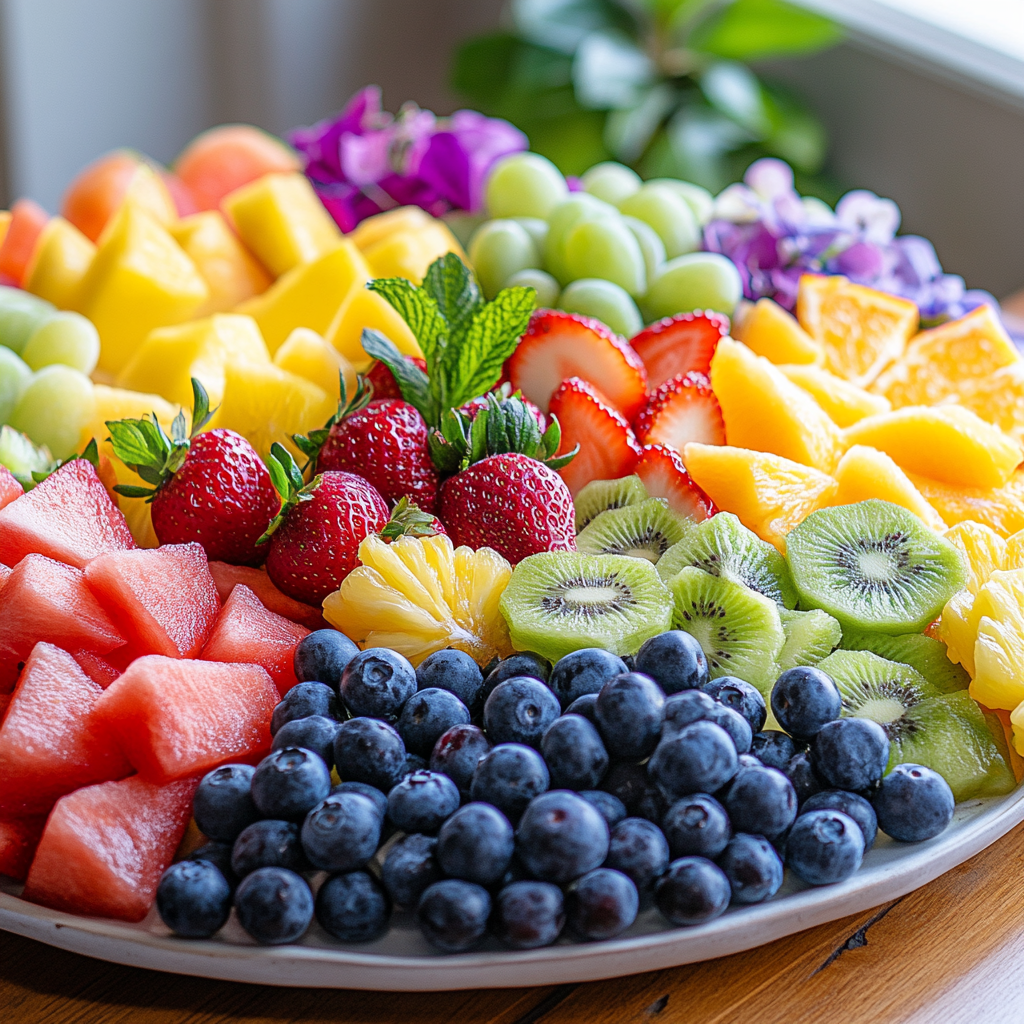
290	485
311	443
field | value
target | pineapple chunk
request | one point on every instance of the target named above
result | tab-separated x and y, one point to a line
307	355
999	650
983	549
363	309
61	259
772	332
374	229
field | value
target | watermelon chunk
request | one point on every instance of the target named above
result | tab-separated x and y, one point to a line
101	671
227	577
51	601
52	740
69	517
176	718
19	838
5	572
105	847
9	487
164	598
246	632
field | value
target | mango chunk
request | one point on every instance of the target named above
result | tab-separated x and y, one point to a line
59	264
307	355
402	218
773	332
844	402
361	309
408	253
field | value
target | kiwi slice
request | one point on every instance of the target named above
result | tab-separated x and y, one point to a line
561	601
946	732
600	495
810	636
646	530
874	566
738	629
923	653
724	547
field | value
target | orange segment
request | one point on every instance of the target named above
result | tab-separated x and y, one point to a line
1002	508
772	332
998	398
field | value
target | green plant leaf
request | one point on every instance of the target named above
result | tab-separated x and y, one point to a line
418	309
756	29
412	381
130	491
733	90
201	412
129	441
451	284
610	72
628	133
563	24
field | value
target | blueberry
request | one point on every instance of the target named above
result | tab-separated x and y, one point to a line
824	847
913	803
748	761
509	776
674	660
561	837
289	783
410	866
574	753
610	807
353	907
850	753
805	779
683	709
693	890
585	706
341	833
528	915
322	657
743	698
453	914
582	672
414	763
268	844
422	802
427	715
519	710
476	844
367	750
193	899
696	826
851	804
380	800
701	758
630	784
753	868
315	733
376	683
454	671
803	700
601	904
734	724
458	752
219	855
274	905
305	700
773	748
222	804
630	710
639	850
522	663
761	801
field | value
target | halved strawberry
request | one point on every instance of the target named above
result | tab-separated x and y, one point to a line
662	471
679	344
608	447
558	345
683	409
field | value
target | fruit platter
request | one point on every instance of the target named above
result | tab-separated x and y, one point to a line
458	575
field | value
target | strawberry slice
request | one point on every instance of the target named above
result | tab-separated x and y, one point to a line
662	471
608	448
679	344
683	409
559	345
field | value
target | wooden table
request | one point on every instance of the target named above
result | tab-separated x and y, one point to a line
950	953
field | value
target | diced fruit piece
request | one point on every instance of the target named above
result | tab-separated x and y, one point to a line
810	637
998	614
663	474
773	332
983	549
227	577
99	669
28	219
924	654
19	838
105	847
307	355
682	410
364	309
1002	508
860	329
177	719
601	495
59	264
10	489
55	387
165	599
998	398
378	227
645	530
844	402
958	630
52	740
409	253
679	344
768	494
383	380
20	315
695	280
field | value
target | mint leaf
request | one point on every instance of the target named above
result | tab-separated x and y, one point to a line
419	310
451	284
411	380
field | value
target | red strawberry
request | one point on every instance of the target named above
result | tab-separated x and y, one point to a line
558	345
683	409
608	448
662	471
679	344
511	503
383	380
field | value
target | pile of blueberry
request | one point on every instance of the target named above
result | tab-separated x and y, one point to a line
536	799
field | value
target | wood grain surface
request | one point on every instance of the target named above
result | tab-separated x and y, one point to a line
950	953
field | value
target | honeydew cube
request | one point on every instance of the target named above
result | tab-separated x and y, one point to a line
59	264
361	309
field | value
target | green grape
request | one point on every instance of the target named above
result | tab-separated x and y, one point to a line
524	185
67	338
564	217
604	301
651	245
698	280
20	314
498	249
607	249
611	181
14	375
669	215
698	198
541	281
22	457
536	228
54	408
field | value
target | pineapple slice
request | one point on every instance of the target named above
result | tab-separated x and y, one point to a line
983	550
999	650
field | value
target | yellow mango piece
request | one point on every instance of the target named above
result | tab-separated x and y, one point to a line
983	549
308	295
844	402
307	355
946	443
140	278
1001	508
768	494
170	357
364	308
281	220
402	218
765	411
409	253
860	329
147	191
773	332
61	259
998	680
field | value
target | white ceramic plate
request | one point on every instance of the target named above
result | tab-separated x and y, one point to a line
402	961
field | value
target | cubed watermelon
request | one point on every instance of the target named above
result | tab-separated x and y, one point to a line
277	601
9	487
246	632
19	838
52	740
69	517
51	601
5	572
99	669
176	718
105	847
163	598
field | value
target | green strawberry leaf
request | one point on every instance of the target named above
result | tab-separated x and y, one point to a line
408	520
290	485
412	381
450	283
201	412
130	491
418	309
511	427
90	453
